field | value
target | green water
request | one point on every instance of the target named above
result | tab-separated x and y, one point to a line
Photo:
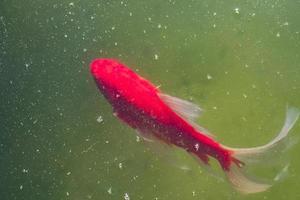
239	60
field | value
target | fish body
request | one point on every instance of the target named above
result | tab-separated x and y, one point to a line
141	105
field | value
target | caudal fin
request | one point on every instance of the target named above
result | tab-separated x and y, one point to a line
252	156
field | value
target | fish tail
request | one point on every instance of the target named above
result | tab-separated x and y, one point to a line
241	158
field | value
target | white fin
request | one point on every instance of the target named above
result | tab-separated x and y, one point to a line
243	183
187	110
184	108
202	130
283	173
244	157
207	168
166	152
292	116
148	137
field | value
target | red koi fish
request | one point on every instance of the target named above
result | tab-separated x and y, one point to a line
158	116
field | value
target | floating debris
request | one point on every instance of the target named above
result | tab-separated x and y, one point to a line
138	139
193	193
197	146
209	77
109	190
237	11
126	196
278	34
99	119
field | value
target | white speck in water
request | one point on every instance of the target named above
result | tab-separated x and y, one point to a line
120	165
138	139
245	96
117	95
209	77
159	26
21	187
227	93
35	121
109	191
25	171
116	44
106	142
155	56
68	173
214	25
130	14
214	14
285	24
246	65
66	35
278	34
67	193
126	196
99	119
84	50
197	146
215	108
237	11
113	28
71	4
193	193
27	65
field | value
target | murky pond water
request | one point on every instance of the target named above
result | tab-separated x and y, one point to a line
59	139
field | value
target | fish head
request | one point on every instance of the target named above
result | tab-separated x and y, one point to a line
119	83
104	69
112	77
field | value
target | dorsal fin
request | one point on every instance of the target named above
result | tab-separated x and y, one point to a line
185	109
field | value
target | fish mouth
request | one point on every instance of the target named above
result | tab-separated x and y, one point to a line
95	65
103	65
